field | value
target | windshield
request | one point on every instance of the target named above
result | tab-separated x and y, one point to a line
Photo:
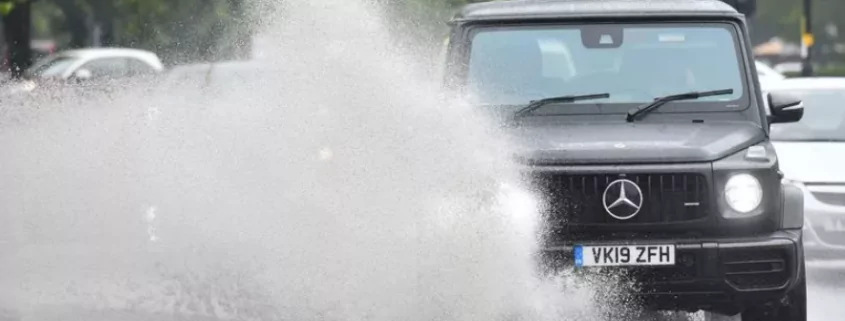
51	67
633	63
824	117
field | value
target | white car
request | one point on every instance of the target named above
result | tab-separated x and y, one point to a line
87	64
812	154
95	63
767	74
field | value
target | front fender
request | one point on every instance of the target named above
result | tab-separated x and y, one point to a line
792	216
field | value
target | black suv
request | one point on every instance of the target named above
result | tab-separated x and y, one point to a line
645	130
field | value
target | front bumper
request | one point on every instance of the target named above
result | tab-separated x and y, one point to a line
724	274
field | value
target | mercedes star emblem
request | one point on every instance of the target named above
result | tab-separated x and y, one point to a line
622	199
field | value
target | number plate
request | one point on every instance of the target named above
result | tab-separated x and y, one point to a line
624	255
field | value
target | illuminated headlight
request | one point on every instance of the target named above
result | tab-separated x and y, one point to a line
743	193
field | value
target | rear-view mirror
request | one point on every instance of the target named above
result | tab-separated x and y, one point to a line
785	108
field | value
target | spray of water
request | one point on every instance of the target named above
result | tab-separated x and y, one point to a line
336	185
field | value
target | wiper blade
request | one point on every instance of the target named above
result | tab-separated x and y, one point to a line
537	104
660	101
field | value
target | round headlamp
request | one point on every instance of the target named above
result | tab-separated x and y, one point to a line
743	193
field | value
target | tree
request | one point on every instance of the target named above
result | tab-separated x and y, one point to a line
74	22
182	30
179	31
17	17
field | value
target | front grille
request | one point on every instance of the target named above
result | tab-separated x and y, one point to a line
666	198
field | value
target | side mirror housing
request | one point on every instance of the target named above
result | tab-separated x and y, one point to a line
785	108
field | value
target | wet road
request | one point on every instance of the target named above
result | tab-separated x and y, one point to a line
827	294
827	291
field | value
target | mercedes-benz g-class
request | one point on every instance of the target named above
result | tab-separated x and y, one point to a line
646	134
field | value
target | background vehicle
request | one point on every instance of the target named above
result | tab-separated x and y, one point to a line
812	154
96	63
766	74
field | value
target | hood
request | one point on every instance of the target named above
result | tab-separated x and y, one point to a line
812	162
636	143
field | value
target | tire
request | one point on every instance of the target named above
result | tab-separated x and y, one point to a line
793	308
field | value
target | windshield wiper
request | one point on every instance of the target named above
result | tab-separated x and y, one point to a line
660	101
537	104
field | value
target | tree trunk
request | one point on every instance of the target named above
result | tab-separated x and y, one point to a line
107	38
242	30
16	30
104	13
75	21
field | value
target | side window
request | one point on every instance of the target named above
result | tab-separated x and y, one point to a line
106	68
139	68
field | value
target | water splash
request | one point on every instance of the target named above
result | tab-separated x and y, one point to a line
336	185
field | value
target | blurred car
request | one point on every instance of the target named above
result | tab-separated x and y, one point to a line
812	155
767	74
95	63
789	67
92	64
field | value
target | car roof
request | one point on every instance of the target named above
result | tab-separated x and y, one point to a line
545	9
93	53
804	83
107	52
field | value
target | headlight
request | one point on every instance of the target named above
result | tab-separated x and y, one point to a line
743	193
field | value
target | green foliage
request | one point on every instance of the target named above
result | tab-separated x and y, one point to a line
6	6
46	20
179	31
195	29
